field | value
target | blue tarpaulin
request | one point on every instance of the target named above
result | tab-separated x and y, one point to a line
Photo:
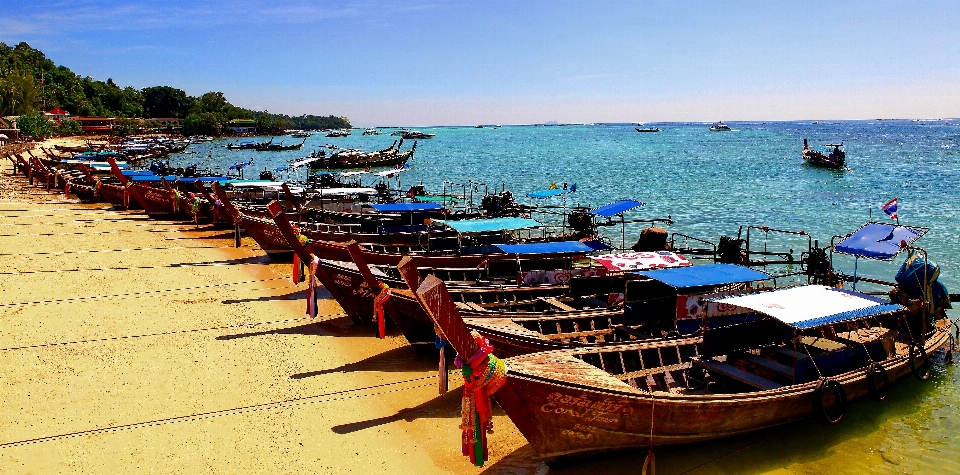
405	207
699	276
137	172
153	178
614	209
878	240
568	247
543	194
464	226
206	179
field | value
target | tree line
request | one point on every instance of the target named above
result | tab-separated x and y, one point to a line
29	82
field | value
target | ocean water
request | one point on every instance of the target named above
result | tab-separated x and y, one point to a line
712	184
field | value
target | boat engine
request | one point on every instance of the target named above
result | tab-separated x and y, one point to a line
730	251
266	175
582	223
652	239
499	204
383	191
819	269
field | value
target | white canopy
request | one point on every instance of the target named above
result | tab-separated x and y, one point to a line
811	305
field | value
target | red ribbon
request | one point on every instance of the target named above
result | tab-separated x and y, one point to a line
312	287
378	302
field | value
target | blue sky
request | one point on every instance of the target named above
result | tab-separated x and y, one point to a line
462	63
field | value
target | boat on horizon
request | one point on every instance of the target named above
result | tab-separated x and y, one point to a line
720	127
417	135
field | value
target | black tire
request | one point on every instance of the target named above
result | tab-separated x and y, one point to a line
877	393
921	372
834	414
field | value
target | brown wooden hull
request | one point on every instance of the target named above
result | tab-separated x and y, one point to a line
84	193
567	408
156	202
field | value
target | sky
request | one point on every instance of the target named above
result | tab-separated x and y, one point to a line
517	62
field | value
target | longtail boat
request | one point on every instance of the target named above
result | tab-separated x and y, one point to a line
833	156
772	358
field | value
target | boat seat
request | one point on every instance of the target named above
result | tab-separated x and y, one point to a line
792	354
732	372
556	303
823	344
771	365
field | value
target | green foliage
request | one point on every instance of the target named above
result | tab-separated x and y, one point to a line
29	81
126	126
36	125
68	127
203	123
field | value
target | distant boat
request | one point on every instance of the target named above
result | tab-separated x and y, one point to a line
417	135
371	132
827	158
400	132
647	129
301	134
720	127
478	127
338	133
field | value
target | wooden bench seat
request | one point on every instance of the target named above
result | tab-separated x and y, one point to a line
737	374
771	365
792	354
822	343
553	302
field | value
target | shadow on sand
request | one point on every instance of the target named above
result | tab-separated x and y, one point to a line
440	407
398	360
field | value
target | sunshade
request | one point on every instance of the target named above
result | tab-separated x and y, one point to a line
405	207
879	241
629	261
345	191
699	276
136	172
153	178
811	306
543	194
464	226
614	209
567	247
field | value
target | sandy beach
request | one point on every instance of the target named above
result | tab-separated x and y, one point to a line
135	345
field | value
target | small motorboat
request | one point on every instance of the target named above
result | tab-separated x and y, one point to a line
720	127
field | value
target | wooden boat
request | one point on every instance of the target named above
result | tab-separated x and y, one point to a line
371	132
274	147
338	133
764	359
417	135
248	145
354	159
833	156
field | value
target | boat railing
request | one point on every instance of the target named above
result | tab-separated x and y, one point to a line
684	246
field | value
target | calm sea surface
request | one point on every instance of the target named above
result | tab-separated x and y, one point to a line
711	184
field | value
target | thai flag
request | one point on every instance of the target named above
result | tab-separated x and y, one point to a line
890	207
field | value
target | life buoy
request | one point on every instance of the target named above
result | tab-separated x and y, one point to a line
924	366
834	414
877	393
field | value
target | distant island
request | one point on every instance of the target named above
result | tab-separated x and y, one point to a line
31	84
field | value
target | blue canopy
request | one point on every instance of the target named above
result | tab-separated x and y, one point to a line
405	207
281	169
614	209
566	247
879	241
206	179
136	172
699	276
153	178
464	226
543	194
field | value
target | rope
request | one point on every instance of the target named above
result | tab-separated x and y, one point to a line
483	374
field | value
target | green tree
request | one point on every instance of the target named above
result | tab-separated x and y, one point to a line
68	127
35	124
203	123
166	101
18	93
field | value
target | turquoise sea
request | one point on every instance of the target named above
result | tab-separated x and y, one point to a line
711	184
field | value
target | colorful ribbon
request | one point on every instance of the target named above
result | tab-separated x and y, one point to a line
378	302
312	287
483	374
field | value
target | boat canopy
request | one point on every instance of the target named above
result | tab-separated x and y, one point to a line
614	209
345	191
305	161
254	183
435	199
136	172
205	179
465	226
406	207
700	276
811	306
153	177
879	241
634	261
562	247
544	194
